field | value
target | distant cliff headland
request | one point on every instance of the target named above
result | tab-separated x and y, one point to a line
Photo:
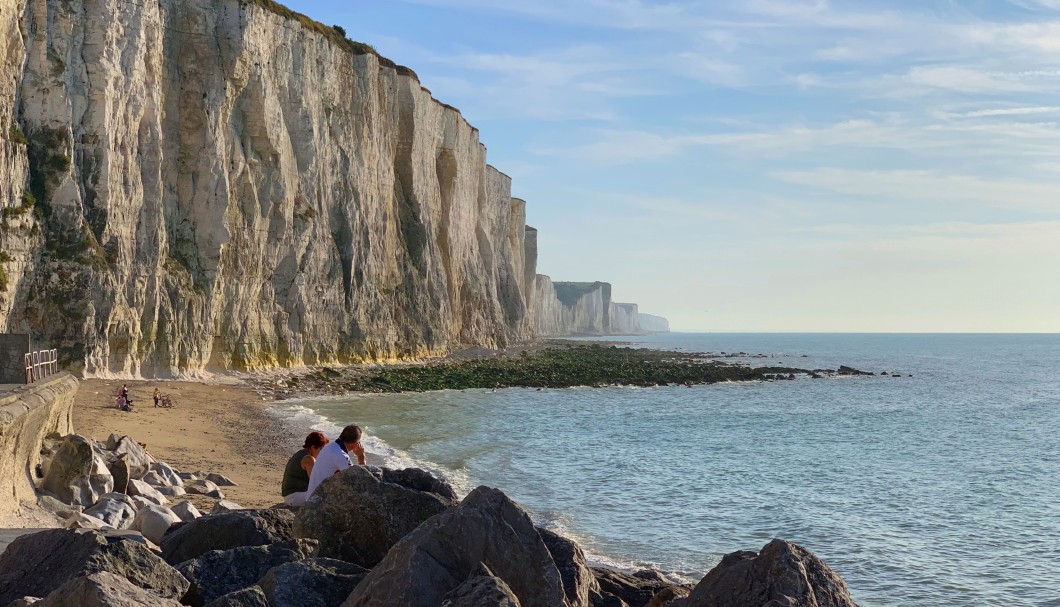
226	184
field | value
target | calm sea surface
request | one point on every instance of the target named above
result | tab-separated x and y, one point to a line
940	489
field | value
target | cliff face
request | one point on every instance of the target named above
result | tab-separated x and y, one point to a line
624	319
564	309
217	185
653	324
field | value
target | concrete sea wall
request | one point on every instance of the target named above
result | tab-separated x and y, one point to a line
27	415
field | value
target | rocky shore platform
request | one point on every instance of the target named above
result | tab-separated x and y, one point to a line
369	537
554	364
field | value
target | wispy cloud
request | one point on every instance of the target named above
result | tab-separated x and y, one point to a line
928	185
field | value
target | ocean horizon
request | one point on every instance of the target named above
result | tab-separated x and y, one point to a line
920	488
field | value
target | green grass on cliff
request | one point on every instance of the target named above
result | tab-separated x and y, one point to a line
334	33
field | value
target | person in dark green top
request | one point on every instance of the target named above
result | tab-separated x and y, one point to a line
299	467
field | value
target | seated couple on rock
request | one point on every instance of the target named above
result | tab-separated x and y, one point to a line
317	460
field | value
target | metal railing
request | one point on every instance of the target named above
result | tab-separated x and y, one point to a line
41	364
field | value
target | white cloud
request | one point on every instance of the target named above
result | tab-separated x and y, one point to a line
926	185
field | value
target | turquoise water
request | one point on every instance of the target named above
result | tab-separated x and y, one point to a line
938	489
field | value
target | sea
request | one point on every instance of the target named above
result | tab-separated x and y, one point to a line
938	487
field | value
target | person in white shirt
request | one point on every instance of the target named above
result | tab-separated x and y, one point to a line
335	457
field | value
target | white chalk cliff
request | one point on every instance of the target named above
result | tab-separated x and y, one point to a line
191	185
219	185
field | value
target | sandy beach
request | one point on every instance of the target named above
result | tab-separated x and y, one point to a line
219	428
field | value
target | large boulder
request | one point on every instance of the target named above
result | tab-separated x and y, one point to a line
154	521
224	531
634	589
172	491
76	474
358	516
37	564
481	589
114	509
206	488
578	581
247	597
103	589
134	455
138	488
220	572
420	480
186	511
84	521
164	473
439	555
782	574
318	582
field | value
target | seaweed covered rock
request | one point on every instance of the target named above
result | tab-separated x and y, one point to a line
438	556
358	516
782	574
220	572
39	563
317	582
186	541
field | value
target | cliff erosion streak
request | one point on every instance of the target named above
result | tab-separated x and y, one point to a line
208	184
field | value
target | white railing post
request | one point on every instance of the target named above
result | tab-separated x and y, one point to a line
29	368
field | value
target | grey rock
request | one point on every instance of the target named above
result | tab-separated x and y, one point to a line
76	474
224	531
56	507
317	582
439	555
103	589
578	580
166	473
219	572
142	502
357	517
605	599
172	491
247	597
84	521
220	480
114	509
202	487
782	574
481	589
420	480
635	589
192	476
186	511
135	456
25	601
139	488
154	521
225	506
38	564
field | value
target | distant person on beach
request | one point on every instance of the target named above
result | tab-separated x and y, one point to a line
124	402
295	484
157	396
335	457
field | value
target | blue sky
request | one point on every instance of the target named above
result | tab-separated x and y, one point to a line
766	165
